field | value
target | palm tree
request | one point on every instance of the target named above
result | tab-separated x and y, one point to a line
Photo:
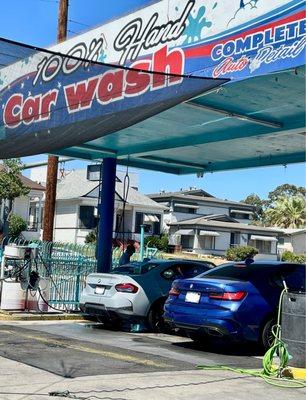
287	212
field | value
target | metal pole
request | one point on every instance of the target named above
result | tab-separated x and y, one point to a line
106	215
142	234
53	160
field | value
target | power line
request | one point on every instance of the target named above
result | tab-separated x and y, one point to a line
49	1
79	23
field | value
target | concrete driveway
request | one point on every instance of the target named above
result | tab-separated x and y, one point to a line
84	361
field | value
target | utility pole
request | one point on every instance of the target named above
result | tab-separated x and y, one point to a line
52	169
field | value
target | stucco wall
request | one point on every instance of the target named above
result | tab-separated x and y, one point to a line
222	242
21	207
299	243
65	222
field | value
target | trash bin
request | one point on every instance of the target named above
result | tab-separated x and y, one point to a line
293	327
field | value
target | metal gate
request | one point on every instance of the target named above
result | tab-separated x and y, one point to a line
66	267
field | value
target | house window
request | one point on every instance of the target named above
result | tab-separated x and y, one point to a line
152	228
237	215
281	240
185	210
263	247
187	241
87	217
207	242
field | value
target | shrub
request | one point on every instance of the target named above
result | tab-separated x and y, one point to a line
161	243
240	253
16	226
91	237
292	257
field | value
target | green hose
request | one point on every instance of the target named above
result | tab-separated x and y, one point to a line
271	373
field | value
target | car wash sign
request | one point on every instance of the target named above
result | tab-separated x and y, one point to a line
139	65
229	38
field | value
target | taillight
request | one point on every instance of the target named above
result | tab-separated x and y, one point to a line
232	296
126	287
174	291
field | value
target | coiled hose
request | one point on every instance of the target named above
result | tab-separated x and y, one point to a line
271	373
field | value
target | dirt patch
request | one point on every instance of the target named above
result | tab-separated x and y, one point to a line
199	257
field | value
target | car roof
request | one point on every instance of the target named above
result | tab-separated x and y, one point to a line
268	263
175	260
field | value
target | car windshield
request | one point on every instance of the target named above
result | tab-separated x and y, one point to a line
239	272
135	268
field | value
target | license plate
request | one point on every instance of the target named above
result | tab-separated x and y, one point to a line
192	297
100	290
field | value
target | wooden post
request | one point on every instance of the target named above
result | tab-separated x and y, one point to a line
62	21
52	169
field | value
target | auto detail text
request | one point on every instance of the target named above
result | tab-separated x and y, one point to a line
265	47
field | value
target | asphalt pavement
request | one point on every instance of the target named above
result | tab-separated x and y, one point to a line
87	361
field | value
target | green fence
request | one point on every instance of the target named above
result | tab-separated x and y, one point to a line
66	266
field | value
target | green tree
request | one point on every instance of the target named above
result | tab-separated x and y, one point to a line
91	237
161	243
240	253
16	225
11	186
285	190
254	200
291	257
287	212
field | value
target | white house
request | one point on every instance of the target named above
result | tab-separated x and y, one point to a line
76	210
199	222
29	207
293	240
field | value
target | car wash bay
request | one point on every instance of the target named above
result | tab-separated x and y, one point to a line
252	123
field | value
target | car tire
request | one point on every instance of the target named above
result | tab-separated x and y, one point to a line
267	337
155	318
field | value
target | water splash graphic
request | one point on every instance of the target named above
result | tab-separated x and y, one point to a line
102	56
196	25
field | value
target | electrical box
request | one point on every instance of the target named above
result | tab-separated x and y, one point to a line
12	296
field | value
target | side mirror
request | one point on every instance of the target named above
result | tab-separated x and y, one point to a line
168	274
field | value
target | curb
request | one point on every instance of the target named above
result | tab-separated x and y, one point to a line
295	373
9	316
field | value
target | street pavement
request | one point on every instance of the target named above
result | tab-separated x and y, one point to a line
85	361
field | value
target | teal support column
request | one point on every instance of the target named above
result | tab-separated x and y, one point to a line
106	215
141	242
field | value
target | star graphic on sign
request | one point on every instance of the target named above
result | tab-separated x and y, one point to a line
59	85
3	106
29	94
22	85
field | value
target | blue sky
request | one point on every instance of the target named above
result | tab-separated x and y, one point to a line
35	22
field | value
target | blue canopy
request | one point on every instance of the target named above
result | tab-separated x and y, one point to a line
251	123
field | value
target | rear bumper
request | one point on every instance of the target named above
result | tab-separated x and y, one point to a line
108	313
205	322
210	328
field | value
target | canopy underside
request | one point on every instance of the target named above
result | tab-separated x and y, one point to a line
255	122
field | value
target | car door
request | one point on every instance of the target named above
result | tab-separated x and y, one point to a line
166	276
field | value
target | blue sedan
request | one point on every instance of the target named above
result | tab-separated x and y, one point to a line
237	301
